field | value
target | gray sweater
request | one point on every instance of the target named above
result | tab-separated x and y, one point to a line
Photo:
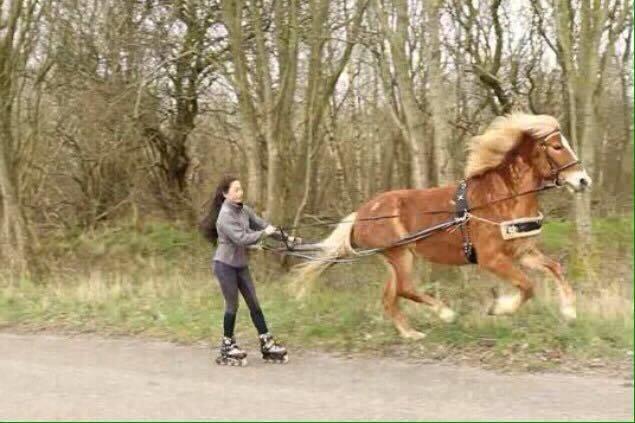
237	228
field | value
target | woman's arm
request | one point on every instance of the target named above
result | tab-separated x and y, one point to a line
255	222
258	223
235	231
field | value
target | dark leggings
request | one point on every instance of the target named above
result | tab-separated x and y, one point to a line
234	279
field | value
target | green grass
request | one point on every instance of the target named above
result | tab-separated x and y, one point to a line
156	282
186	308
612	233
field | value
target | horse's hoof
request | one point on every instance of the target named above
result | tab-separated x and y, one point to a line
414	335
569	313
447	315
506	304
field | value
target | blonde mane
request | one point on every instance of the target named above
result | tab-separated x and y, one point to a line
488	150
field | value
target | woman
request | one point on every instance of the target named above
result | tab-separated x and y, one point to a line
234	226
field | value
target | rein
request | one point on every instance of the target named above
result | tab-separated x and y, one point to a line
296	251
462	214
303	251
335	222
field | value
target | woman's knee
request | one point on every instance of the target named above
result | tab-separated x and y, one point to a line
231	306
248	291
228	280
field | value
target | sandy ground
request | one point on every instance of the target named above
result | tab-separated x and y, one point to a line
87	377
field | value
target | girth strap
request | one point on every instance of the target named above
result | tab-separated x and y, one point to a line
461	209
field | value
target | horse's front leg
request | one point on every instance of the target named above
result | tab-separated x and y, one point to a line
537	260
503	266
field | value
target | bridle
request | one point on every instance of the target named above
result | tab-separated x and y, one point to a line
555	169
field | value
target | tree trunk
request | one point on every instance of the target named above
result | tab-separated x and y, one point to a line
14	246
414	118
250	132
320	88
438	99
623	162
15	237
580	73
583	202
340	171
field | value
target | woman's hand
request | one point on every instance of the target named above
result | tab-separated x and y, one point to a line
270	230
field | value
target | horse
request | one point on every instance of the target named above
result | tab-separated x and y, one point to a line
506	166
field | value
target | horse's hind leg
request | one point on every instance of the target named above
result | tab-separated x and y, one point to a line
391	305
537	260
400	263
406	289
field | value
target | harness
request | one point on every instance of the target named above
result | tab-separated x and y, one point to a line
462	211
555	169
511	229
521	228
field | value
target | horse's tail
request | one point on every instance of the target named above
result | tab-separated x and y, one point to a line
336	245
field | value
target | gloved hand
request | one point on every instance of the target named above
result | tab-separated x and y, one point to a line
295	239
269	230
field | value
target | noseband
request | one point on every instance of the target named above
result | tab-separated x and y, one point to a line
555	169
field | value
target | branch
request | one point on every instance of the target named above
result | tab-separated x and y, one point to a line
496	85
538	14
332	79
499	37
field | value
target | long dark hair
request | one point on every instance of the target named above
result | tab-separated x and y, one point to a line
207	225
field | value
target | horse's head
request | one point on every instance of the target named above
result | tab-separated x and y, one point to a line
535	140
557	162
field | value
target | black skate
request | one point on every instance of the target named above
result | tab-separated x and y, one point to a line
271	351
231	354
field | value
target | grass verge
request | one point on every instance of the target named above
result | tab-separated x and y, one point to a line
156	282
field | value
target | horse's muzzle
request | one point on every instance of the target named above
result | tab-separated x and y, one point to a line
577	180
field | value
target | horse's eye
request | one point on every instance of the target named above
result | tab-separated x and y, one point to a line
557	147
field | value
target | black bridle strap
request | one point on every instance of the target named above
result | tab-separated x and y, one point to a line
424	212
510	197
408	239
289	249
568	165
555	170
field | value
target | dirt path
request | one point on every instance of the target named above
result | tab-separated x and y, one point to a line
86	377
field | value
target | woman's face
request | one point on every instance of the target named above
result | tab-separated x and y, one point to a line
235	192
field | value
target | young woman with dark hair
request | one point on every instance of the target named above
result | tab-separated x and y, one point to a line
233	226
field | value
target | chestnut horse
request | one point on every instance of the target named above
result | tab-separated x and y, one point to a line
516	154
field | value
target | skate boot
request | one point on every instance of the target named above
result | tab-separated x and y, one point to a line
271	351
231	354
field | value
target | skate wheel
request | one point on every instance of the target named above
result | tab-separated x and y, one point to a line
276	361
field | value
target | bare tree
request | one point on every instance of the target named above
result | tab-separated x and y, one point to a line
321	85
19	30
406	110
438	96
576	39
